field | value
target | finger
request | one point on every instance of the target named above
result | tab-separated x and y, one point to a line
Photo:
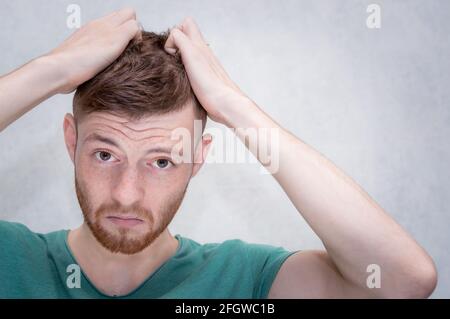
109	15
139	33
191	29
177	41
129	30
119	17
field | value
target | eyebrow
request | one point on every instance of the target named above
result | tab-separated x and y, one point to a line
95	137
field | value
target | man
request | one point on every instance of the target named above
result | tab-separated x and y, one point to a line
134	89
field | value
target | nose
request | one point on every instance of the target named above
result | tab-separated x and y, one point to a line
128	188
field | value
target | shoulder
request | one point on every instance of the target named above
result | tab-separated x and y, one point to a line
17	236
252	250
255	263
229	246
14	230
19	247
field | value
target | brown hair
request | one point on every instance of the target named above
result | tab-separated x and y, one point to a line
144	80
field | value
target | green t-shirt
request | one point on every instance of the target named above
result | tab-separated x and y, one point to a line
34	265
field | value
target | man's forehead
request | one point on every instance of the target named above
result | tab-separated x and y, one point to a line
158	144
154	125
161	132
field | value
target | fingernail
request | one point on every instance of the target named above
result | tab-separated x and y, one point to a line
171	50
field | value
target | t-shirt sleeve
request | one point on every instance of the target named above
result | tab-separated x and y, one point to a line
18	242
25	269
266	261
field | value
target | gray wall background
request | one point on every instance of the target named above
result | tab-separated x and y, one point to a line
374	101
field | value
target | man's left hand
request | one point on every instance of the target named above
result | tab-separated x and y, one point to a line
214	89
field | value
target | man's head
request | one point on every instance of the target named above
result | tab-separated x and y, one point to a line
120	141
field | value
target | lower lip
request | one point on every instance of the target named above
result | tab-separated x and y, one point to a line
125	222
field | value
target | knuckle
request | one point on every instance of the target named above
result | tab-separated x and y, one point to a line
176	32
134	25
129	11
189	19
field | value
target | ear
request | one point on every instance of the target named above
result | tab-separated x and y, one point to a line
201	152
70	135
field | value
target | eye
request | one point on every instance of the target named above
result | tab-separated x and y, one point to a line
103	156
162	163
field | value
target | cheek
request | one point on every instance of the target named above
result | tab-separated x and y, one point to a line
160	185
164	188
96	182
92	170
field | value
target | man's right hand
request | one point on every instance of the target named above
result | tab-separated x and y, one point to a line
93	47
79	58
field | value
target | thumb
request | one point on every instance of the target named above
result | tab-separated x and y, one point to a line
177	41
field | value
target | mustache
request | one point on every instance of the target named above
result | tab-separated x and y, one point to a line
115	209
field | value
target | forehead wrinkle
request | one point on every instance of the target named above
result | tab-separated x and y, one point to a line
124	122
96	136
99	130
147	129
114	129
128	136
102	116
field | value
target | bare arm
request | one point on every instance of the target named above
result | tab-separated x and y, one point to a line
25	88
76	60
354	229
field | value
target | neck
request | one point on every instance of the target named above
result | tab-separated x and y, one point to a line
118	273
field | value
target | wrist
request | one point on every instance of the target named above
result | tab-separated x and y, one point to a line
242	112
51	73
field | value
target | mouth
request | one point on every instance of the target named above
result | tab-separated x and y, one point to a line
125	220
